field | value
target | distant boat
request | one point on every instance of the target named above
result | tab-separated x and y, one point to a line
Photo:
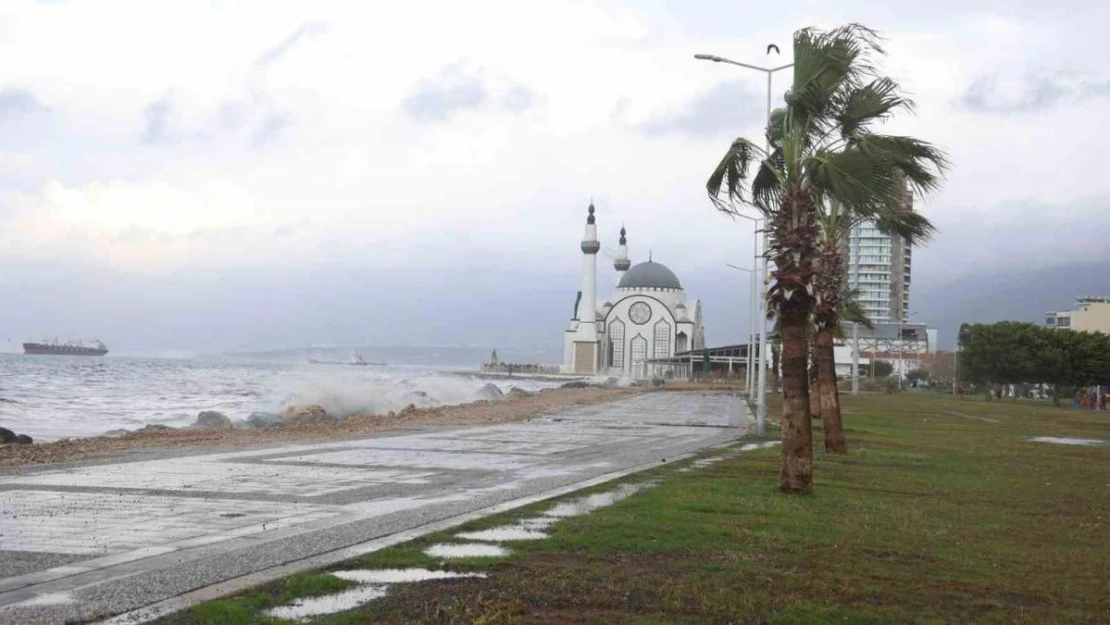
356	360
69	348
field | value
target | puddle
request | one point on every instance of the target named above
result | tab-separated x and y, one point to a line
754	446
50	598
302	609
468	550
1068	441
588	504
538	523
398	576
504	533
705	462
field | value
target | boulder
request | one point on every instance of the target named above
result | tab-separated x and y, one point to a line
263	419
420	398
576	384
302	415
489	391
212	420
115	433
23	439
657	382
519	392
6	436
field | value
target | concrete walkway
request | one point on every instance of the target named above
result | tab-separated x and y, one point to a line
86	543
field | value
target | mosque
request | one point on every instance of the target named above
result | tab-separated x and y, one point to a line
646	318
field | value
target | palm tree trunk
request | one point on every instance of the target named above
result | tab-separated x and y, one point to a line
776	358
814	396
797	437
835	443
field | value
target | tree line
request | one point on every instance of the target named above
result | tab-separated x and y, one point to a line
1026	353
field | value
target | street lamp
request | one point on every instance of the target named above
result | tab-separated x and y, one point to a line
902	344
748	371
770	71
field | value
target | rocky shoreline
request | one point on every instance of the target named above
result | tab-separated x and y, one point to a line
213	429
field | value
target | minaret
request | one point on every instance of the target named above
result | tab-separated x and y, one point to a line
621	264
585	355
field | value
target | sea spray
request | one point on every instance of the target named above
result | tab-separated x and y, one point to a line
67	397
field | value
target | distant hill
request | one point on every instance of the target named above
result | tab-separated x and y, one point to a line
1017	295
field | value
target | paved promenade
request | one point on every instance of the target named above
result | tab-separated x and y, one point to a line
84	543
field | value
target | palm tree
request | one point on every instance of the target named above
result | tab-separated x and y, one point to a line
834	303
822	149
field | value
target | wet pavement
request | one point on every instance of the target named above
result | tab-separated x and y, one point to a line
90	542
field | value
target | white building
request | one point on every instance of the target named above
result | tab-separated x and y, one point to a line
646	317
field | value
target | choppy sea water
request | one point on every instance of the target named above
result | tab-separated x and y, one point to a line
50	397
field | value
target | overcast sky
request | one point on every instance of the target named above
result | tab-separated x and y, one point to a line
217	174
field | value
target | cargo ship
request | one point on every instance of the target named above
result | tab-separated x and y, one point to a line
70	348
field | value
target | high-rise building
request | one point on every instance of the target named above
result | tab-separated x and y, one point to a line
879	268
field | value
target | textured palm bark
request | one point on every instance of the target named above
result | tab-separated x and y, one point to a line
793	248
829	394
797	427
814	396
828	310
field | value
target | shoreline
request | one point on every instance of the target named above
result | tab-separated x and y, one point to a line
483	412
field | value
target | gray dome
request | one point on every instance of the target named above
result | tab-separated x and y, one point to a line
649	275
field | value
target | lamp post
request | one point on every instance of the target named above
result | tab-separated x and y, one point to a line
770	71
902	319
757	309
748	372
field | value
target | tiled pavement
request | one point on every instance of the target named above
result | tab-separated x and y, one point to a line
135	533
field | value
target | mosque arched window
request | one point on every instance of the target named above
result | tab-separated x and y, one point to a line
662	339
638	355
616	344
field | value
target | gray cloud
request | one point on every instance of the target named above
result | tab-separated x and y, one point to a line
447	94
274	54
453	90
519	99
721	110
157	115
15	102
270	128
1038	92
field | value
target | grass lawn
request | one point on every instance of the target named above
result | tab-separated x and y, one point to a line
941	513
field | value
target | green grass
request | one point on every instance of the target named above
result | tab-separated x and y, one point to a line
932	518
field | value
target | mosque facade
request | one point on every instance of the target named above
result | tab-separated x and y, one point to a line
647	316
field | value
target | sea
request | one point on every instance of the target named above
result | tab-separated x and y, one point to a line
52	397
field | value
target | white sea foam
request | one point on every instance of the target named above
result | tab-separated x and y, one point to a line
73	397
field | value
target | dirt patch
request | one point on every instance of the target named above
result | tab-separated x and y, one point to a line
503	410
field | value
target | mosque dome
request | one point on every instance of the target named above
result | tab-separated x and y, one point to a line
649	275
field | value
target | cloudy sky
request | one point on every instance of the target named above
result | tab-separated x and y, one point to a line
217	174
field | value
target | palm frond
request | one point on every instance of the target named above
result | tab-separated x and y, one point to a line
912	226
921	162
731	176
854	311
873	102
